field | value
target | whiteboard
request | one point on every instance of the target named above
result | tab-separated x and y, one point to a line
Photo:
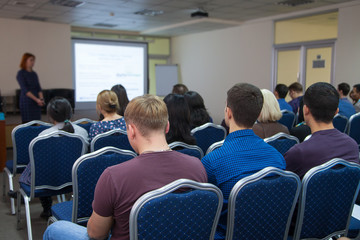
166	77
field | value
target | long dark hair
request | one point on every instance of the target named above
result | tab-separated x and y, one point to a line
198	112
59	110
179	118
122	98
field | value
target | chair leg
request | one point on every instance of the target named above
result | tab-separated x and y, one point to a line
28	218
18	214
63	197
58	198
12	201
4	188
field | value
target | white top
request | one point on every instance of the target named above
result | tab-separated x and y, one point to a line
77	130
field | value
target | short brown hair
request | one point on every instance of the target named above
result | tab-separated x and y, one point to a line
147	113
108	101
245	101
297	87
180	89
24	59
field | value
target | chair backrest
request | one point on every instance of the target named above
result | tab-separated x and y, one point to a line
85	174
287	119
113	138
21	136
167	214
261	205
340	122
215	146
327	199
84	123
52	157
354	127
208	134
191	150
282	142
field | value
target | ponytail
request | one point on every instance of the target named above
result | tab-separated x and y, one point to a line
68	127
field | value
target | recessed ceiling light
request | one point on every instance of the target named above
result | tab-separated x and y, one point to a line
105	25
294	3
67	3
149	12
42	19
22	4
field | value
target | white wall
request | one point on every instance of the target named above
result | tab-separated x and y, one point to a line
347	65
49	42
212	62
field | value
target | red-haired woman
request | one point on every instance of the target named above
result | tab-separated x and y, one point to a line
31	96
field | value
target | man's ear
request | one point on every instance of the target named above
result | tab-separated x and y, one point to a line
229	113
337	111
306	110
167	127
131	131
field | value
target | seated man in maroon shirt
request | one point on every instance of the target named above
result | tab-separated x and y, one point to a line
120	186
321	101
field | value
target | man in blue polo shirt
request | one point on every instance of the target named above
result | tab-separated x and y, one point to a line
243	153
280	92
345	106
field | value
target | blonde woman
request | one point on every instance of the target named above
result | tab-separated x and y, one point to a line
267	124
107	104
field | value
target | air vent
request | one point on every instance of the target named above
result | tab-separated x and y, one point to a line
105	25
42	19
294	3
149	12
67	3
22	4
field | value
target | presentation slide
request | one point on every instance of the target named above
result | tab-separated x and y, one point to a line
99	65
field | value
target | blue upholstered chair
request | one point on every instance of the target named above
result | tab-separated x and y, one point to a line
113	138
261	205
282	142
340	122
21	136
84	123
214	146
354	127
208	134
288	118
327	199
191	150
166	213
51	157
85	174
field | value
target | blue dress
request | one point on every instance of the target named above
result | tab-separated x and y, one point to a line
29	82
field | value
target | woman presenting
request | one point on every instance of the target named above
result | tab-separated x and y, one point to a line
31	96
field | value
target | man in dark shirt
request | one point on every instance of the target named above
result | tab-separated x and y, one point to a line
120	186
280	92
321	102
296	93
243	153
345	106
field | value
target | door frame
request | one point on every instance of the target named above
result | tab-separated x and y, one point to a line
302	46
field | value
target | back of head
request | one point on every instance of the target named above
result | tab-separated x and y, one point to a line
322	99
108	101
179	118
122	96
296	87
245	101
357	87
345	88
270	111
198	112
59	110
148	113
179	89
282	90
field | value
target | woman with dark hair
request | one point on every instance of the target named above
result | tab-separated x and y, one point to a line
198	114
122	98
179	118
59	112
31	96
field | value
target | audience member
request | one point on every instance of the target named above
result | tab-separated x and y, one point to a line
281	90
296	93
267	124
120	186
321	101
345	106
355	96
198	113
180	89
301	130
122	98
107	104
59	112
179	118
243	153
